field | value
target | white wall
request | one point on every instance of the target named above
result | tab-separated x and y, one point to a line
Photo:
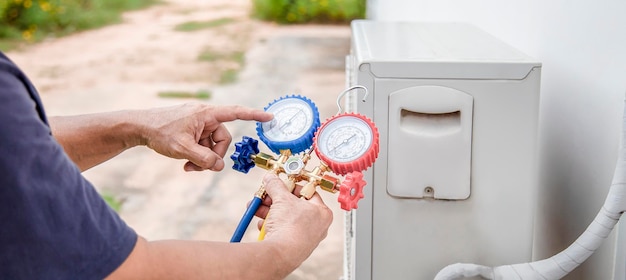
582	45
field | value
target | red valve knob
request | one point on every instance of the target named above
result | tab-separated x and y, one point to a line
351	191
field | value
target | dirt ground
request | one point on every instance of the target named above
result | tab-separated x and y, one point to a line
125	66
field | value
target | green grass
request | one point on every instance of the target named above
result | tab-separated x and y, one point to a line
113	202
211	56
9	44
229	76
34	20
238	57
303	11
199	25
201	94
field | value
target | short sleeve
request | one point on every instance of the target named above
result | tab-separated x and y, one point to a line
53	223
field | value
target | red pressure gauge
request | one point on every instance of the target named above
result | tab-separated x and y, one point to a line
347	142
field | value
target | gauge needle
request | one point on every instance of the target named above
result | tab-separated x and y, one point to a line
345	141
289	120
272	124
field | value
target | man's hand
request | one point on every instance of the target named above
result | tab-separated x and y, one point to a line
294	228
192	131
195	132
296	223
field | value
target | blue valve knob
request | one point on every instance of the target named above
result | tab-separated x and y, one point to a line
242	157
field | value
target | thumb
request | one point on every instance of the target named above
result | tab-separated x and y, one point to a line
275	187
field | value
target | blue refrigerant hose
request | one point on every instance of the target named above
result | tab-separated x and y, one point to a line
245	220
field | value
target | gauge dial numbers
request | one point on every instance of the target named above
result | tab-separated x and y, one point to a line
291	120
347	142
295	120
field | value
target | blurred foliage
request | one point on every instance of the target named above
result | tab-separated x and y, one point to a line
229	76
200	94
199	25
112	201
32	20
302	11
210	55
232	63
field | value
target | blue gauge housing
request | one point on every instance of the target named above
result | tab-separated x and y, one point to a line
304	140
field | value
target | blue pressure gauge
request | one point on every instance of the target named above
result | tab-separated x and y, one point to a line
296	119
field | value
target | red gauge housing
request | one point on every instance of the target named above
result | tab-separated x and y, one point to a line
362	162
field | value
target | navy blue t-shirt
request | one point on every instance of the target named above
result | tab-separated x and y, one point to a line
53	223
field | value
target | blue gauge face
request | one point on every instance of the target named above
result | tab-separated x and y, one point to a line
295	120
292	119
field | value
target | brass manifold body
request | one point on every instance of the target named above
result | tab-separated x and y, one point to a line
294	167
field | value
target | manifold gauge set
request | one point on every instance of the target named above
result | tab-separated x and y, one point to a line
346	145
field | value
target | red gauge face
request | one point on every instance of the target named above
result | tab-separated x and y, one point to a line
347	142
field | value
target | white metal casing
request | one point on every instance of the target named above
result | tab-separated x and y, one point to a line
455	180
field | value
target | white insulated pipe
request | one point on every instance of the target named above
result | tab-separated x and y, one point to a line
561	264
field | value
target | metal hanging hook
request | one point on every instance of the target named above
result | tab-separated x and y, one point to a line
344	93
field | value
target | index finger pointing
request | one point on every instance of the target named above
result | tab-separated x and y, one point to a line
238	112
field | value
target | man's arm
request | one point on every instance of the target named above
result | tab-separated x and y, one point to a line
178	259
294	229
92	139
192	131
